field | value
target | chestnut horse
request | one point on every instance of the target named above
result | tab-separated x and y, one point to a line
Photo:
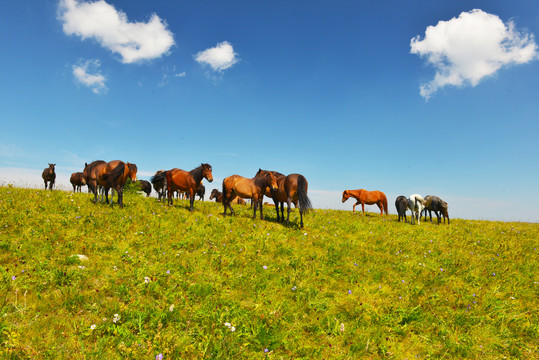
254	189
49	175
181	180
78	181
114	175
90	174
290	189
367	197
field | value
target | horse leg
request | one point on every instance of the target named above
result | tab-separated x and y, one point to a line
363	208
289	205
381	207
282	211
191	199
276	203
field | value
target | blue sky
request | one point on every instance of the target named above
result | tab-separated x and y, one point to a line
429	97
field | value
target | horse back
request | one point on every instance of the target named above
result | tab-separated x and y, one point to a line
180	179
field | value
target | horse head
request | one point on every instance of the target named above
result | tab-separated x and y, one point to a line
132	171
206	172
51	168
214	194
345	195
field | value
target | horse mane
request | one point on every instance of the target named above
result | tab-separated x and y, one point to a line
261	179
132	167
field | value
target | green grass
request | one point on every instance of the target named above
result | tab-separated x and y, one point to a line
344	287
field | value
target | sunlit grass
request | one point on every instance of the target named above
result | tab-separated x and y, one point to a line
346	286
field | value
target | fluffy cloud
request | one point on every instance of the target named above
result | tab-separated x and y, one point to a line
133	41
219	58
466	49
87	73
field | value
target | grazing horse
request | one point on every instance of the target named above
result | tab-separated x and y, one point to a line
416	203
367	197
114	174
434	203
49	176
159	182
401	203
145	186
78	181
181	180
218	196
254	188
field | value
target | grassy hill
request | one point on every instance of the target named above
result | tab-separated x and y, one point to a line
162	280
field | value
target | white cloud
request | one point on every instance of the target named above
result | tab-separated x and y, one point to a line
87	73
133	41
466	49
219	58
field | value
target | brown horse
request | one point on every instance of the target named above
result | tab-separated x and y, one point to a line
90	174
114	175
367	197
290	189
181	180
78	181
49	176
218	196
159	182
434	203
246	188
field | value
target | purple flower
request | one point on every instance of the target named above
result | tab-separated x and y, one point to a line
264	267
266	350
13	277
159	357
350	291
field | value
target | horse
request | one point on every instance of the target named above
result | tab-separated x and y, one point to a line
434	203
145	186
246	188
114	175
78	181
416	203
218	196
159	182
367	197
181	180
401	203
49	176
291	189
90	174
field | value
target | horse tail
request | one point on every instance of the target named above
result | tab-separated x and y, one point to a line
114	174
385	204
304	202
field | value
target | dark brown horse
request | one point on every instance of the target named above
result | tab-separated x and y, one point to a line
401	203
145	186
114	175
49	176
181	180
218	196
78	181
159	182
434	203
367	197
279	195
292	189
239	186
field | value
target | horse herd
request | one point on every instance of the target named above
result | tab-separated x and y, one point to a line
101	176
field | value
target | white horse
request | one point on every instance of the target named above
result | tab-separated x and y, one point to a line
416	204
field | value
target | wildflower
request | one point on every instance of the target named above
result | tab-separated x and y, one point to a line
227	324
232	328
441	269
13	277
116	318
342	327
349	291
264	267
294	288
171	308
146	279
159	357
92	327
81	267
168	271
266	350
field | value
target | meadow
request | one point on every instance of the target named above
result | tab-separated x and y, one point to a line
160	282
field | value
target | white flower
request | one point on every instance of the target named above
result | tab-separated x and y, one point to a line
232	328
116	318
147	280
92	327
227	324
171	308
